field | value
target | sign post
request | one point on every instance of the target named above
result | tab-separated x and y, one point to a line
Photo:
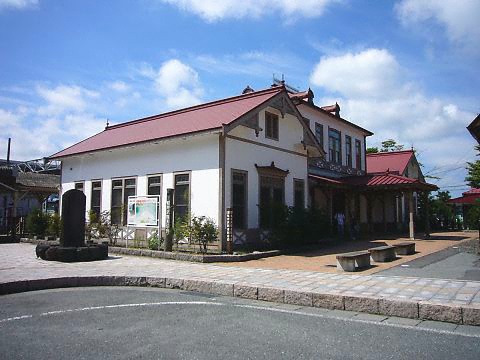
230	230
169	221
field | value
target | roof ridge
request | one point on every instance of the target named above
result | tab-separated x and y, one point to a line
199	106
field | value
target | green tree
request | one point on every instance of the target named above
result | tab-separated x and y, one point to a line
473	168
390	145
372	150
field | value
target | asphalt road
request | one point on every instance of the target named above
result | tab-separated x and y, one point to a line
450	263
126	323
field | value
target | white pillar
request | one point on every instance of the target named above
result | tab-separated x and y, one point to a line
410	211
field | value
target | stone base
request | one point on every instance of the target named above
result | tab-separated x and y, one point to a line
72	254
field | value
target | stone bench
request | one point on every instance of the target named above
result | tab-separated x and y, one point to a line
353	260
405	248
382	253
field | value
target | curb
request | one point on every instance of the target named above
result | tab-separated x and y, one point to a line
422	310
182	256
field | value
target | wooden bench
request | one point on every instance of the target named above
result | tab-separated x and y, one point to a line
405	248
382	253
353	260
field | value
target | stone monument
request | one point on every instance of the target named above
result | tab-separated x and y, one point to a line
72	246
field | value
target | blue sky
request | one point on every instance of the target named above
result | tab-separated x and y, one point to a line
403	69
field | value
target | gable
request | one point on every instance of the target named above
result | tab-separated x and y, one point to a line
294	134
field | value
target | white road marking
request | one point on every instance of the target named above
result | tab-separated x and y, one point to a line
254	307
16	318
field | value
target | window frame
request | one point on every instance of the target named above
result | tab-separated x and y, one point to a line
348	151
358	154
189	206
123	218
319	138
335	150
274	126
100	197
82	183
245	197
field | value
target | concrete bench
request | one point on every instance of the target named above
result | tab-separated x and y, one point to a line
405	248
353	260
382	253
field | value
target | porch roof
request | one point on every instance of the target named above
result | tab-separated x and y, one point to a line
384	181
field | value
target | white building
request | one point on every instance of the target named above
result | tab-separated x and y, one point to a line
243	152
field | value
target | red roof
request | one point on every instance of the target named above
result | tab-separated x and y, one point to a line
208	116
394	161
330	108
469	197
472	191
376	180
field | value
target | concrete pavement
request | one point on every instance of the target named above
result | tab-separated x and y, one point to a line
419	298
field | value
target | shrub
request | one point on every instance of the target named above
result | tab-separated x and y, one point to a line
54	225
294	227
37	222
203	231
154	242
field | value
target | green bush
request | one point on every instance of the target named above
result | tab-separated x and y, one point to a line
294	227
203	231
154	242
54	225
37	223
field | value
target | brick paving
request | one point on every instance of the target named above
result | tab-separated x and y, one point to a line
18	262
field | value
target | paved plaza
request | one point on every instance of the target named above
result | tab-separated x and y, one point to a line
436	299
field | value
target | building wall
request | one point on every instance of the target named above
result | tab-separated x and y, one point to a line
337	124
198	155
242	155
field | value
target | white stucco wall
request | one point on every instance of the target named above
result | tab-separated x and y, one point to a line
337	124
198	155
241	155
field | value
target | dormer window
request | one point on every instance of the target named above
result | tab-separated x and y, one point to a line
271	126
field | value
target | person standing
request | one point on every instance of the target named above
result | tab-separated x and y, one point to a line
340	218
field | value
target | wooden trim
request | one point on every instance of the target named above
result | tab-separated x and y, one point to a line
221	181
265	145
189	172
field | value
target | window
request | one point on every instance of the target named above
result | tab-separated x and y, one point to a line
319	133
121	190
298	193
182	197
358	154
239	199
348	150
96	198
272	197
271	125
79	186
334	146
154	185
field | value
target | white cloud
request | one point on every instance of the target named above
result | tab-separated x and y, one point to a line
214	10
459	18
119	86
64	98
372	72
176	82
18	4
373	93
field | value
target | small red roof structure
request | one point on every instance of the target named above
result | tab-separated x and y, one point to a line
394	162
469	197
204	117
376	181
